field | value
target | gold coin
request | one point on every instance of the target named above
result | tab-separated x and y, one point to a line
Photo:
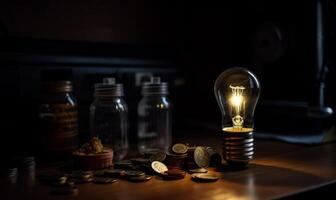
204	177
180	148
159	167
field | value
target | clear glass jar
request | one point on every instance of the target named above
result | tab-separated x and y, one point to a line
108	117
154	117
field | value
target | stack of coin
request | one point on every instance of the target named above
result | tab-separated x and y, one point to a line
173	174
81	176
238	148
124	164
177	156
53	178
198	157
215	158
136	176
111	173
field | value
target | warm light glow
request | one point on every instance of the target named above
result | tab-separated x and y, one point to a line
237	101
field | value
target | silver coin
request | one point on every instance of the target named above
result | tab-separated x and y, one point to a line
131	173
201	156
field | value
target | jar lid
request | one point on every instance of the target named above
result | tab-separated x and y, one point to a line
109	88
57	86
155	86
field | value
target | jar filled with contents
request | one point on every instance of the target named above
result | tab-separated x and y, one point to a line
108	117
58	118
154	123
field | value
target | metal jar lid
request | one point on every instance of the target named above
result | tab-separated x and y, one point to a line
109	88
155	87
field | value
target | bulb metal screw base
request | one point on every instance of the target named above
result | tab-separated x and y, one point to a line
238	148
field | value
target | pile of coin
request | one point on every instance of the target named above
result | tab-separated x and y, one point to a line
169	166
238	148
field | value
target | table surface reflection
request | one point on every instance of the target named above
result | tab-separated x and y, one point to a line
278	170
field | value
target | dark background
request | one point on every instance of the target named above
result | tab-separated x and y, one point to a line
188	44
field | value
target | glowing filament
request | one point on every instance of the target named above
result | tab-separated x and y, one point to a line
237	101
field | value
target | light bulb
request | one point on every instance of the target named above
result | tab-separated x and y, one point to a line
237	91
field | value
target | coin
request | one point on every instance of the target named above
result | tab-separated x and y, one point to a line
204	177
82	180
201	156
173	155
100	173
61	184
179	148
66	190
140	178
114	172
159	167
173	174
123	164
199	170
159	156
176	172
53	178
140	161
81	174
103	180
131	173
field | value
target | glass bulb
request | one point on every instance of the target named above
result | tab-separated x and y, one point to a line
237	91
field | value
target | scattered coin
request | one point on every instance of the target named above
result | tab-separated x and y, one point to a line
81	174
114	172
123	164
180	148
53	178
204	177
82	180
65	190
132	173
103	180
140	161
159	167
176	172
61	184
173	174
100	173
201	156
140	178
159	156
199	170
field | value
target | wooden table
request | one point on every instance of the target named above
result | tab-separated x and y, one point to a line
278	170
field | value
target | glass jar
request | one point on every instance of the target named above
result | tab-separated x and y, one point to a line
154	117
58	118
108	117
